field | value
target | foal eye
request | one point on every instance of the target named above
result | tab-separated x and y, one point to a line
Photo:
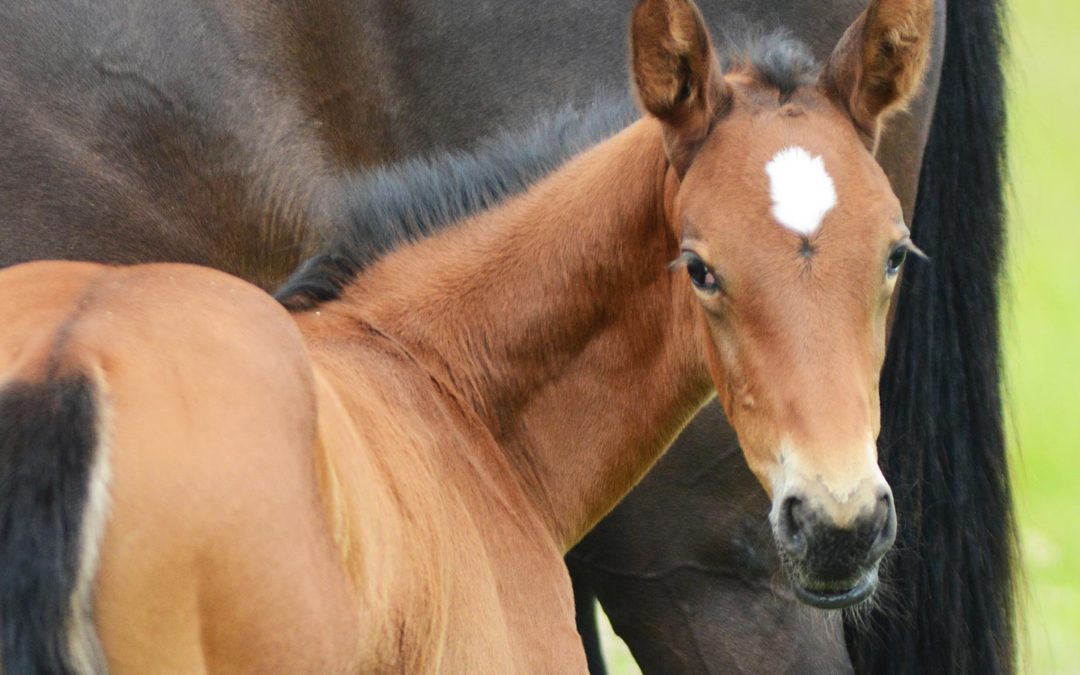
896	260
701	276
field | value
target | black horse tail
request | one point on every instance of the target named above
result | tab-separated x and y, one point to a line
942	441
52	501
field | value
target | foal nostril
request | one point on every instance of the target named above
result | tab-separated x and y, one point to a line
792	530
884	528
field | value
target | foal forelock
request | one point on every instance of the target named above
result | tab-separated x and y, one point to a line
775	59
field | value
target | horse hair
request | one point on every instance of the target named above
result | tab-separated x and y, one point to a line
411	200
942	439
48	445
775	58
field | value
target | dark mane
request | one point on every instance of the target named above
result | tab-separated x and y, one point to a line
942	444
409	201
775	58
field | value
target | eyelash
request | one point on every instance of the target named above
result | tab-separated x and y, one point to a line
896	260
900	253
701	275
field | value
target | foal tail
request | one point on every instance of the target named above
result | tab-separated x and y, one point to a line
942	441
52	503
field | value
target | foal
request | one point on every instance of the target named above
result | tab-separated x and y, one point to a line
387	478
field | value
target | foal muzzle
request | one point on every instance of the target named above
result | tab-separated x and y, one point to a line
832	566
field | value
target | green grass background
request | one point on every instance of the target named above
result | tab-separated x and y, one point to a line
1041	325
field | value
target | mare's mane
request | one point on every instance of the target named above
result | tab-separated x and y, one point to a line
409	201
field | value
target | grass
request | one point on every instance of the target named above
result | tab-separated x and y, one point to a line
616	653
1042	325
1042	332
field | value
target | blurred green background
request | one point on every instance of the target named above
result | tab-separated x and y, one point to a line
1041	323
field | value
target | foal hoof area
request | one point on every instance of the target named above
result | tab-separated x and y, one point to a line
834	599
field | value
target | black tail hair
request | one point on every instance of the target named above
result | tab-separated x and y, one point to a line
47	447
942	442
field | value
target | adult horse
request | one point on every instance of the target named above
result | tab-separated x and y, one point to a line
403	460
216	133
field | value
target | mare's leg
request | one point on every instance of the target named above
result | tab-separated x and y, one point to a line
585	603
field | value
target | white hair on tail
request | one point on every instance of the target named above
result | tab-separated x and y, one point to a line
84	648
801	189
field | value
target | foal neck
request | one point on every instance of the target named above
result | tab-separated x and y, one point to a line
557	319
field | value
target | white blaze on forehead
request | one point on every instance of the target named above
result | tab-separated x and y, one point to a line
802	190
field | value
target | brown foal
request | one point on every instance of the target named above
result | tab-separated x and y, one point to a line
388	479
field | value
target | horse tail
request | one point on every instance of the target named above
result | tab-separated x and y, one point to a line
53	477
942	444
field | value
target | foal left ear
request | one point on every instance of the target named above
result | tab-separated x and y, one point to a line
676	74
878	65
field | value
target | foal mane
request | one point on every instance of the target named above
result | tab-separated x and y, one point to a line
406	202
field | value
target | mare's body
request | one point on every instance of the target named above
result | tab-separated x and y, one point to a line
219	134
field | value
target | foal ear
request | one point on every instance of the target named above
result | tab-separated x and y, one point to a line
676	74
878	65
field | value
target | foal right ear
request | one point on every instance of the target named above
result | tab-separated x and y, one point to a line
878	65
676	74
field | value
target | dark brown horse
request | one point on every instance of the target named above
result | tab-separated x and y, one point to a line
120	143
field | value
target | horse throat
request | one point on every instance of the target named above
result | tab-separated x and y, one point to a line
556	317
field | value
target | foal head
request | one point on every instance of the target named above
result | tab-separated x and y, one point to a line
792	241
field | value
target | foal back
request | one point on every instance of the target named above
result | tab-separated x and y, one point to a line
193	480
164	414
